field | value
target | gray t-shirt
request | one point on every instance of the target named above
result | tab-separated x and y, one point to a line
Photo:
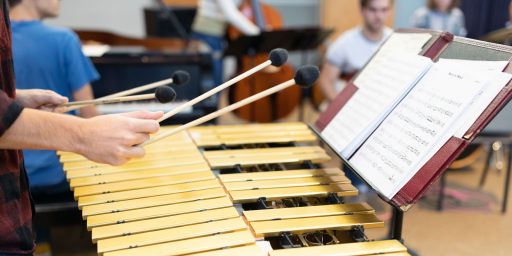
352	50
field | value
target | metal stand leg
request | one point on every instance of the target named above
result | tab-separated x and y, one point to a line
507	181
440	200
395	228
303	92
486	166
302	105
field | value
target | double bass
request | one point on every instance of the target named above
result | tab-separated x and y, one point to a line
270	108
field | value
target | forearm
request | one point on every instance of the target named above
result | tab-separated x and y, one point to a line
88	112
34	129
329	89
86	93
328	78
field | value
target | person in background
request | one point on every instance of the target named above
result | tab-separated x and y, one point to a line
49	58
350	52
210	25
443	15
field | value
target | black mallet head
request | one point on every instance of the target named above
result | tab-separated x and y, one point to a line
180	77
165	94
278	57
306	76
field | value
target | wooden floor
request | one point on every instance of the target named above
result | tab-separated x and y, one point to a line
426	231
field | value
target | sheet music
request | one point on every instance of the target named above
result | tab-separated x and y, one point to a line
423	120
486	95
385	80
482	101
406	42
491	80
471	66
397	43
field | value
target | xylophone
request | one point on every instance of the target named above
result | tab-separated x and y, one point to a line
252	190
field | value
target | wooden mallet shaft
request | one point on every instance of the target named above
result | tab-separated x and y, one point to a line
276	58
110	100
128	92
221	112
215	90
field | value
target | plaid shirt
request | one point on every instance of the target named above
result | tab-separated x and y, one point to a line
16	234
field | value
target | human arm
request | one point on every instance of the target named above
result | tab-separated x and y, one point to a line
329	75
40	99
79	74
85	93
335	60
237	19
110	139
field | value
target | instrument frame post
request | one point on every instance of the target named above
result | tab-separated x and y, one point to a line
397	220
507	181
304	91
441	196
333	198
358	234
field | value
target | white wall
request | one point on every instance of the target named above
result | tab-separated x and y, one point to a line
127	17
119	16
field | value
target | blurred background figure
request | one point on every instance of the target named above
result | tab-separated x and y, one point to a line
442	15
210	25
350	51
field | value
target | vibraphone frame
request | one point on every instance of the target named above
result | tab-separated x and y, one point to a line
124	220
397	218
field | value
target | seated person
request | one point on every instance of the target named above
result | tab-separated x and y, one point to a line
443	15
49	58
350	52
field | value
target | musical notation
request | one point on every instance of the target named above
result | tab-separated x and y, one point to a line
418	127
499	80
381	85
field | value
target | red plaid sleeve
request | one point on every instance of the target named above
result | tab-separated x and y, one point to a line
16	234
9	109
9	112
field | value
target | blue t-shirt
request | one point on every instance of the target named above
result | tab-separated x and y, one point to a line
49	58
